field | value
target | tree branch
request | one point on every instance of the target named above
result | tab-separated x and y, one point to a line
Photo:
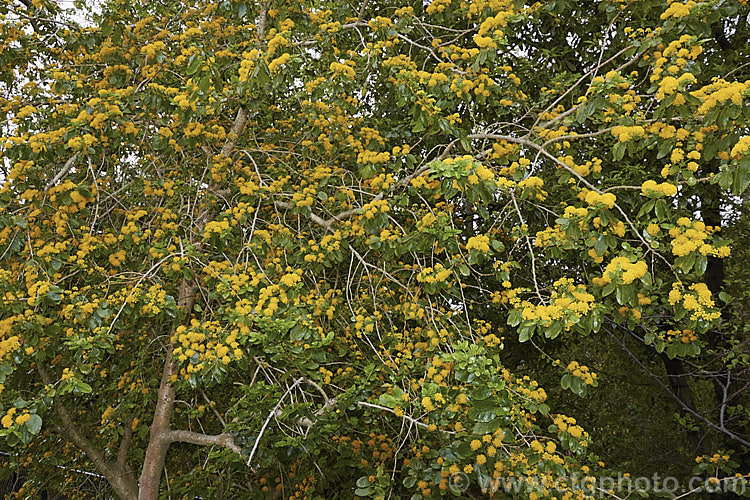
679	401
234	133
121	482
270	416
68	165
122	451
224	439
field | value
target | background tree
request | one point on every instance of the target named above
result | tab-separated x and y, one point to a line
314	248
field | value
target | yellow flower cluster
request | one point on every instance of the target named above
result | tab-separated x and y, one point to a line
741	148
669	85
215	226
549	235
9	345
373	157
329	243
685	336
482	172
569	302
117	258
532	181
437	6
714	459
437	274
382	182
268	301
371	209
66	375
689	236
248	64
582	372
152	48
342	69
204	340
36	290
534	184
292	278
78	143
491	26
678	10
25	111
106	414
155	299
275	65
719	92
432	79
8	418
627	271
569	425
575	213
304	198
697	300
624	134
480	243
605	199
651	188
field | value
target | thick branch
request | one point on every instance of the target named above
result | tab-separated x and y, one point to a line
123	485
122	452
224	439
61	173
262	22
234	133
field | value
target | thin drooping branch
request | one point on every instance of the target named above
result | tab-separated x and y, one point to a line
405	417
679	401
271	414
581	79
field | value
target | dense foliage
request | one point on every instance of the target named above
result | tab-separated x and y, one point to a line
321	249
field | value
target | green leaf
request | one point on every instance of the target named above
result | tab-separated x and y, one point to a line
661	209
34	424
514	318
205	83
83	387
464	269
194	64
525	333
12	439
701	263
600	246
106	27
363	482
618	151
488	427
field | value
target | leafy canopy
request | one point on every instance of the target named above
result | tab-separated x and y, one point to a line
294	247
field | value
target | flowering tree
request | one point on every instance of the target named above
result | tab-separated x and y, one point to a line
292	248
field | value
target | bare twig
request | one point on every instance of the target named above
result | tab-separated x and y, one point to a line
271	414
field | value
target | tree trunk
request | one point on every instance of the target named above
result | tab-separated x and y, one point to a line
158	444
